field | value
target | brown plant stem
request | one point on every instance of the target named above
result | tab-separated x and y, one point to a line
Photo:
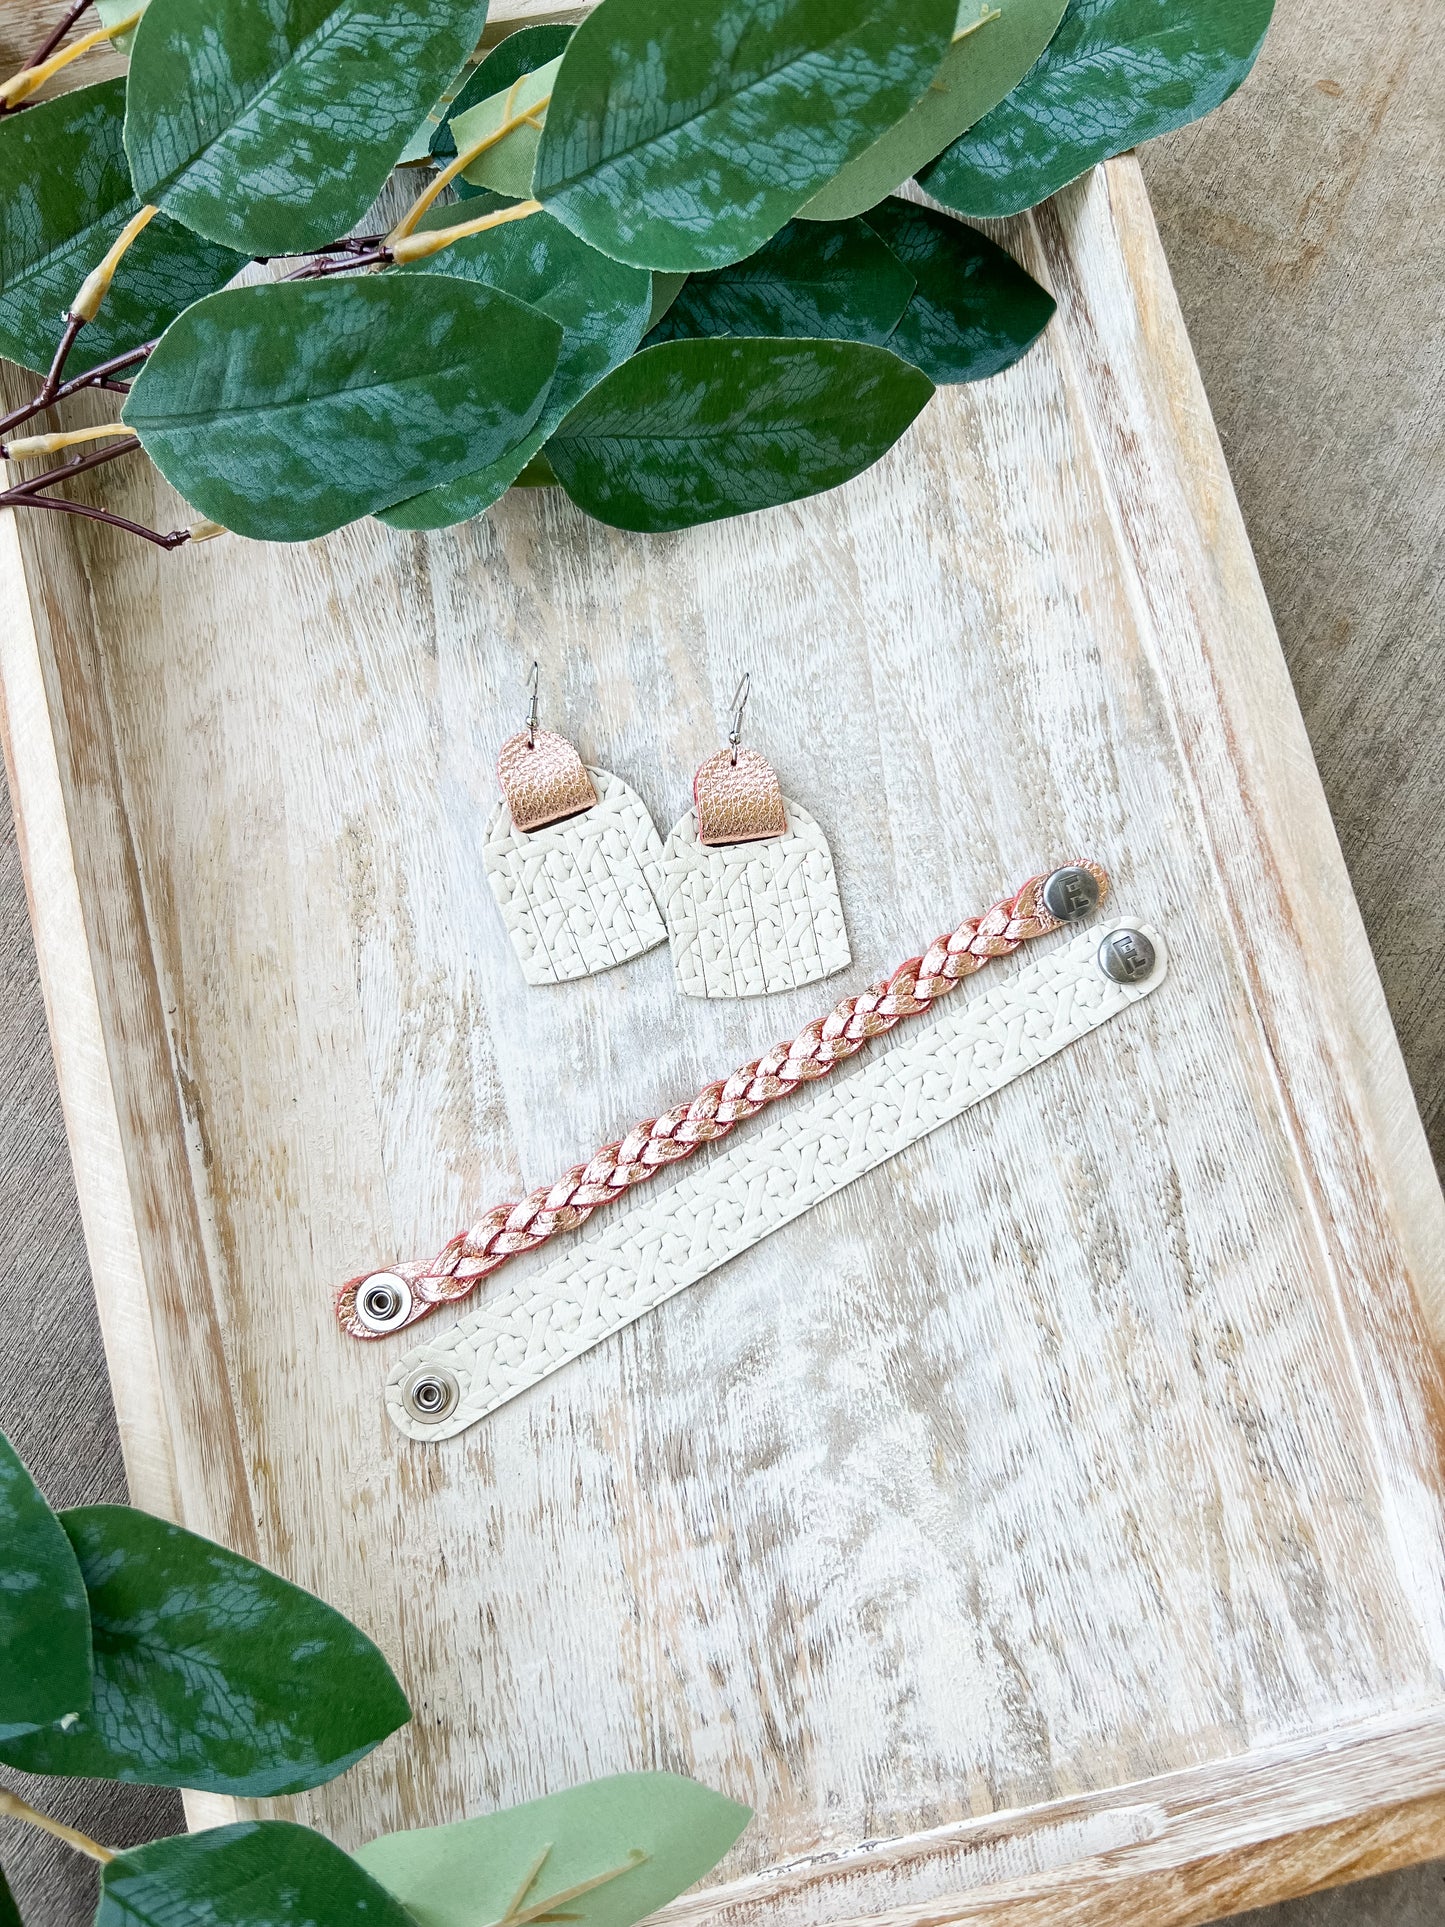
20	89
50	387
374	257
84	309
26	495
104	369
172	540
53	389
58	32
14	1808
46	48
414	247
351	244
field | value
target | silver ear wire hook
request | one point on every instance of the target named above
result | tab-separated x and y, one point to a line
738	704
533	682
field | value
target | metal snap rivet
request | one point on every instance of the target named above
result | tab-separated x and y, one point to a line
383	1301
431	1394
1127	956
1071	894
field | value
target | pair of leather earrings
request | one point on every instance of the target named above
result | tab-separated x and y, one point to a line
744	887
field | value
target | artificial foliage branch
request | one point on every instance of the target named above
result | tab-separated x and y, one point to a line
600	204
132	1650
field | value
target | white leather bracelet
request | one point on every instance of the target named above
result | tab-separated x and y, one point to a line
671	1239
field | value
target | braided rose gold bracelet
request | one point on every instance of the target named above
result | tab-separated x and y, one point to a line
382	1302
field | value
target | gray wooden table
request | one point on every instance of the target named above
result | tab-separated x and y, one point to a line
1302	225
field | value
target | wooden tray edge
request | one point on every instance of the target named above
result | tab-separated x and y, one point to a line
1210	1843
1357	1814
77	1038
123	1114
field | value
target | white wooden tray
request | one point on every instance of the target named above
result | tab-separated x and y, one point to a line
1049	1526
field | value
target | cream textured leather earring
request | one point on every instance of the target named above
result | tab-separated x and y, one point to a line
573	858
748	886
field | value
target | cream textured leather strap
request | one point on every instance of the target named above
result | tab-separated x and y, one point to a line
668	1240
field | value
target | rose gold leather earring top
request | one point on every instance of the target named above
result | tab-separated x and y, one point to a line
541	774
751	897
573	858
736	792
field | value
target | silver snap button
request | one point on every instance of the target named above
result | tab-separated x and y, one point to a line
1127	956
431	1394
383	1301
1071	894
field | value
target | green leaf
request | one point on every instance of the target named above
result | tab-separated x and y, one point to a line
1117	72
506	166
603	307
995	44
273	127
691	431
263	1873
665	290
112	12
522	52
65	195
9	1912
286	410
210	1672
44	1620
537	474
682	136
975	311
838	282
468	1873
419	147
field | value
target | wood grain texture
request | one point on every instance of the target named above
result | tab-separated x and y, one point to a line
1301	224
1055	1669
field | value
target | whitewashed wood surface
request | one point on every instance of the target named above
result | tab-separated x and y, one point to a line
1091	1443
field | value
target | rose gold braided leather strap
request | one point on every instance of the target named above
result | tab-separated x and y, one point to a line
386	1301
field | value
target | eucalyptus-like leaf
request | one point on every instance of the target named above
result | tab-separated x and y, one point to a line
210	1672
419	147
975	311
510	122
65	194
665	290
537	474
691	431
838	282
995	43
603	307
44	1619
1116	73
262	1873
273	127
682	136
286	410
522	52
9	1912
655	1834
112	12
